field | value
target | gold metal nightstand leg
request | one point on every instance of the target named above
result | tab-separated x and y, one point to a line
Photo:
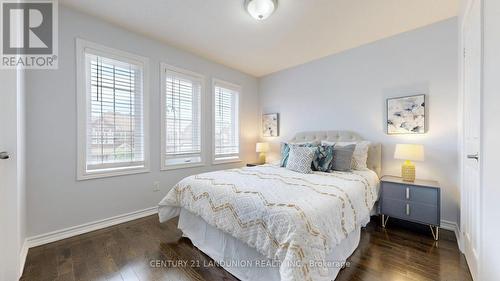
435	234
384	220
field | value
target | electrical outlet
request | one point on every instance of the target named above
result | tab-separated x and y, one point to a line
156	186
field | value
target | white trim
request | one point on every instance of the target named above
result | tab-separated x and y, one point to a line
22	257
227	85
188	74
182	166
113	173
461	130
462	151
57	235
226	161
81	46
453	226
236	88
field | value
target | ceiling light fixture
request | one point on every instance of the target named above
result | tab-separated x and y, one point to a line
260	9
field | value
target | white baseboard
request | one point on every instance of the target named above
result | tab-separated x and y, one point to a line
57	235
22	257
453	226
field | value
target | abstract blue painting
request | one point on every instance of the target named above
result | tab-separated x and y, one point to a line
406	115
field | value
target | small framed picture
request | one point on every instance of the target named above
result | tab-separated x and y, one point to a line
270	125
406	115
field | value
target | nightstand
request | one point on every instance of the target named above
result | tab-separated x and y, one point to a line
418	201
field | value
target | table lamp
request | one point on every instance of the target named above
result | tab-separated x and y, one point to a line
262	148
409	152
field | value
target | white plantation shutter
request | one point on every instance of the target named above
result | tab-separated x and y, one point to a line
182	118
226	138
115	123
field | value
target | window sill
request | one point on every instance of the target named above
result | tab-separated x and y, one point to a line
226	161
181	166
111	173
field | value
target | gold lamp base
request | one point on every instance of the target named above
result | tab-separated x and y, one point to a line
408	171
262	158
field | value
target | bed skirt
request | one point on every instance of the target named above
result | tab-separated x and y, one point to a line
244	262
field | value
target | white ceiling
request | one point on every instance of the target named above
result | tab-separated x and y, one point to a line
299	31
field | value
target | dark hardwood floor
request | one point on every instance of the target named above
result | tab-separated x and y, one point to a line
403	251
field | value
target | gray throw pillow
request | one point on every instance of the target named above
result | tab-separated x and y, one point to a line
342	157
300	159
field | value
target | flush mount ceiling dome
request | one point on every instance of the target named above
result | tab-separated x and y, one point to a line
260	9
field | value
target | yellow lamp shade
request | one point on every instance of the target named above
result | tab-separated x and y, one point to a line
413	152
262	147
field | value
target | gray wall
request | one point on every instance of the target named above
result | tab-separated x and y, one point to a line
343	91
55	199
348	91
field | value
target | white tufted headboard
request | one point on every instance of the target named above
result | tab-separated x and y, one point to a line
374	161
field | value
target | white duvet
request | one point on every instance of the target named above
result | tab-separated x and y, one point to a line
286	216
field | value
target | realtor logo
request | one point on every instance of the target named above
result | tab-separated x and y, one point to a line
29	34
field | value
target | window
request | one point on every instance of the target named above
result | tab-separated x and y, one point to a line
181	117
112	121
226	122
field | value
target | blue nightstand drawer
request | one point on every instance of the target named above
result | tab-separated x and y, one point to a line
410	193
424	195
407	210
393	190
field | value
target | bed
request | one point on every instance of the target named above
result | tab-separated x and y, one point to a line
270	223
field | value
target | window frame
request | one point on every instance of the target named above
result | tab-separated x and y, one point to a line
239	89
164	67
83	109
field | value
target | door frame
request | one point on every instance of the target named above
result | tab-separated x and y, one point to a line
467	7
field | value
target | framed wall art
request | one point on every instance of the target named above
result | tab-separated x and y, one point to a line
406	115
270	125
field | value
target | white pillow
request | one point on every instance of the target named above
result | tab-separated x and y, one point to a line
360	155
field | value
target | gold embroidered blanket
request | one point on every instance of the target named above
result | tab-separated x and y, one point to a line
287	216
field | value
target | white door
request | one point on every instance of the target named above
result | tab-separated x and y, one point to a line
9	196
472	67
